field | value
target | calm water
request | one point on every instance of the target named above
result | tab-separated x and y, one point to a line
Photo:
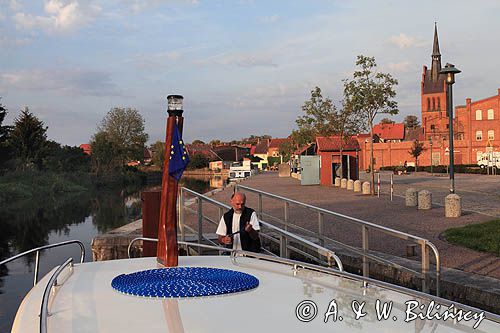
29	224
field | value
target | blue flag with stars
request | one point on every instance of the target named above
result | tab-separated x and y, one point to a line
178	156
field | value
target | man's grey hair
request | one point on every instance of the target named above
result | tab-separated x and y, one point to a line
239	194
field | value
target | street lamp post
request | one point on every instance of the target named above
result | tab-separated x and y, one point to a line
430	143
449	70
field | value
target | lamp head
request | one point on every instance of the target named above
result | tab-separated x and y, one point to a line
174	107
449	70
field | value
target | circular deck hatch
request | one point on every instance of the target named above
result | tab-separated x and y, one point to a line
184	282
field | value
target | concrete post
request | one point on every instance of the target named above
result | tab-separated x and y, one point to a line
452	206
350	184
424	200
343	183
357	186
366	188
337	181
411	197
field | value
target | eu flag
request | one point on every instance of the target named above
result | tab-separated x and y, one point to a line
178	156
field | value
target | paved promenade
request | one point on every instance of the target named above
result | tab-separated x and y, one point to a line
479	193
427	224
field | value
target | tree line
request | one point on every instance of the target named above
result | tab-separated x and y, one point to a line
24	146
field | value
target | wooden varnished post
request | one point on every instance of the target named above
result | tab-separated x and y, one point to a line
167	250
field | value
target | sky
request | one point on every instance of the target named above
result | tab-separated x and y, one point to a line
244	67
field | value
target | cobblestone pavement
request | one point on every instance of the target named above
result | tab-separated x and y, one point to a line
428	224
479	193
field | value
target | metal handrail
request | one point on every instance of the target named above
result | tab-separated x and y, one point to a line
365	280
44	309
364	224
45	247
329	254
219	248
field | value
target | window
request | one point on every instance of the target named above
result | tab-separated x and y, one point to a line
491	135
479	135
479	115
439	103
447	126
433	127
433	103
490	114
428	104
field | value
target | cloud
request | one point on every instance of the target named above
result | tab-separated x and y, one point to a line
403	66
61	16
239	59
14	5
65	81
404	41
137	6
270	19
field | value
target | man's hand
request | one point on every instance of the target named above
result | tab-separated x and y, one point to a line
227	240
248	228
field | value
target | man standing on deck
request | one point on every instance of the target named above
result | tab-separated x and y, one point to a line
239	226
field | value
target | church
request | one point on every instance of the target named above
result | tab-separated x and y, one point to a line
476	125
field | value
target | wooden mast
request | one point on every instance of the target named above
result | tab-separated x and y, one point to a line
167	249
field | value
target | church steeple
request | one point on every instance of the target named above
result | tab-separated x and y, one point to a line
436	57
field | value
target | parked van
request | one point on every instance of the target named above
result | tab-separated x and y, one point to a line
489	160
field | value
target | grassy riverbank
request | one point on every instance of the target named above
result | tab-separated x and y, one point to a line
483	237
27	185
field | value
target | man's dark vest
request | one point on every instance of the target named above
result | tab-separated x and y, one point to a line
247	243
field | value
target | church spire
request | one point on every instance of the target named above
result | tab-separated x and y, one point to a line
436	56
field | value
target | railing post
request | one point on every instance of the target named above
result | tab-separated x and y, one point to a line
321	225
283	247
392	185
378	184
37	264
287	220
425	266
366	265
259	206
200	220
181	214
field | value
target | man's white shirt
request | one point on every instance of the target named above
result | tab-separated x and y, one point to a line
222	230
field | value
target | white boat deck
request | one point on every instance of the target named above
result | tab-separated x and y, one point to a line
86	302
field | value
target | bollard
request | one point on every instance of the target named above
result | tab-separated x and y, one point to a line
411	197
357	186
350	184
366	188
424	200
343	183
452	206
337	181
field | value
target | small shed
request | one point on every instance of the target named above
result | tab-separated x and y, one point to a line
333	163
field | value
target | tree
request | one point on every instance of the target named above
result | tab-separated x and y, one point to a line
105	157
286	149
158	149
125	128
387	121
370	93
4	135
411	121
215	142
416	150
28	139
197	142
318	118
198	161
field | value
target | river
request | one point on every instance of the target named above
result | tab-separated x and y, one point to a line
29	224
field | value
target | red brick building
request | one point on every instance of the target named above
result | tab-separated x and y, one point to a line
476	125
